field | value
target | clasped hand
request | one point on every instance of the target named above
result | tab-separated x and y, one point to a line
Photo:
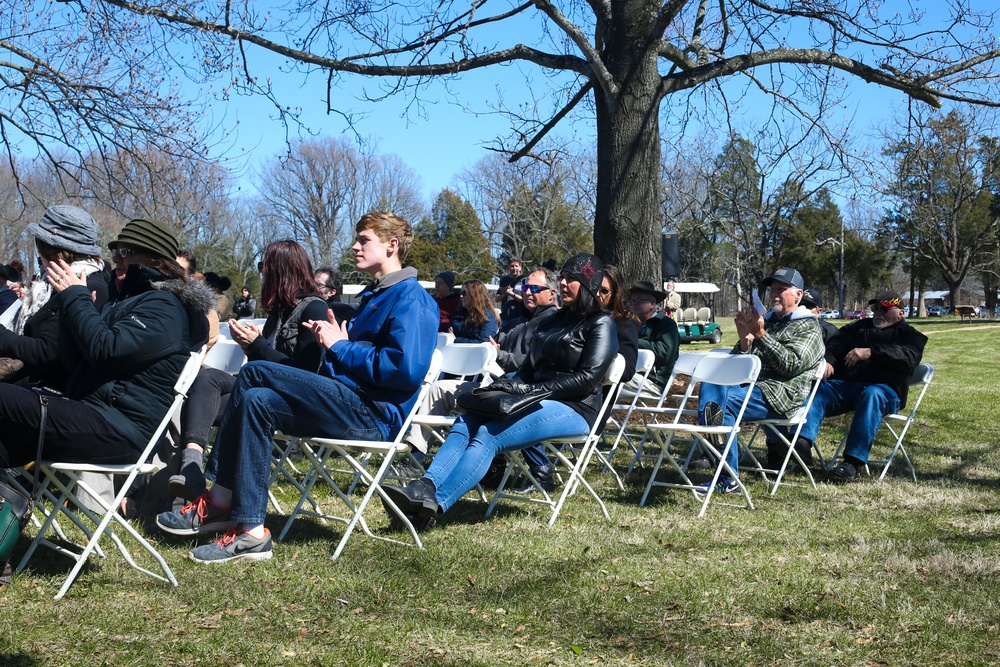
329	331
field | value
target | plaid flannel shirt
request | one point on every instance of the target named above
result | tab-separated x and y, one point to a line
789	351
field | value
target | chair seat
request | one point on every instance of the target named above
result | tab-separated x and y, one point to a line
120	469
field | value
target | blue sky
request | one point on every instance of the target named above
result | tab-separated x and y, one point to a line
446	137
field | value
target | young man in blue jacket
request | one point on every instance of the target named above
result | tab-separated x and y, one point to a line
371	373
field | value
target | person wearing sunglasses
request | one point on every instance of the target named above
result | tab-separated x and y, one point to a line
868	365
122	362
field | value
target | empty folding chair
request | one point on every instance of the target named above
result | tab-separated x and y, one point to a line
358	454
463	361
643	367
898	424
62	480
726	370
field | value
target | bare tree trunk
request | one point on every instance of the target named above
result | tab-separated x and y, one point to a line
627	221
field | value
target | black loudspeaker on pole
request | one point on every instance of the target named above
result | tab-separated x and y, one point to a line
671	255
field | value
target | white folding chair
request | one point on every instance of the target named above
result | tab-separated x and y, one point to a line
773	428
921	377
684	366
67	504
728	370
643	367
462	360
226	355
444	338
357	454
580	447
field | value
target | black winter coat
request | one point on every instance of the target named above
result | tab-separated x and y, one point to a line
896	351
124	361
38	346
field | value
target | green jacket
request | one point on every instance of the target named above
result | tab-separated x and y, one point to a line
789	351
659	334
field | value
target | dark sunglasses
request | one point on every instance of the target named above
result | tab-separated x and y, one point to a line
535	289
122	253
604	291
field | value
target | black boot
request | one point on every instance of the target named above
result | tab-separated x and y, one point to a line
776	452
804	449
543	475
418	498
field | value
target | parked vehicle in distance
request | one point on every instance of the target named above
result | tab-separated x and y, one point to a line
937	311
830	314
858	315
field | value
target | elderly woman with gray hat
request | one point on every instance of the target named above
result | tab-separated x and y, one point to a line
122	362
29	352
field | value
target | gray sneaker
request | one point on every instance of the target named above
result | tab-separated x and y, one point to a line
234	545
197	517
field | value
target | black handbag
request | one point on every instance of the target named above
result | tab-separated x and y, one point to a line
496	404
15	508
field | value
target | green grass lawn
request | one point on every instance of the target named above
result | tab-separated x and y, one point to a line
890	573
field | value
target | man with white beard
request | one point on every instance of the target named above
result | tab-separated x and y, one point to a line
868	365
788	341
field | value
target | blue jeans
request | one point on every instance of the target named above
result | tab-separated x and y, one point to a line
465	455
271	397
729	398
869	403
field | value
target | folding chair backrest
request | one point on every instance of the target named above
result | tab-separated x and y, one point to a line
727	370
922	376
644	362
803	410
225	355
467	359
687	362
615	371
444	338
433	371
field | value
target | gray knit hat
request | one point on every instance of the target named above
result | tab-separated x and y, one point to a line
67	228
151	235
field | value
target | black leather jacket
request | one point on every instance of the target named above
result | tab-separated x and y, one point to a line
569	356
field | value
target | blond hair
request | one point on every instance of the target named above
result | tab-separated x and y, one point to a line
388	226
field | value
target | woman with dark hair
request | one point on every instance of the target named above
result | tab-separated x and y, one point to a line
289	297
570	353
476	321
246	305
122	362
614	296
31	346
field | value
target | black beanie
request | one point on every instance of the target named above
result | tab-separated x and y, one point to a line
588	269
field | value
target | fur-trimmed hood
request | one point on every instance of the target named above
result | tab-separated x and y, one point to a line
196	297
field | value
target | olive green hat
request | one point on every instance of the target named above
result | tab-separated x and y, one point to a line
150	235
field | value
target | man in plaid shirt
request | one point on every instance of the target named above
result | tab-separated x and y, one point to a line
789	342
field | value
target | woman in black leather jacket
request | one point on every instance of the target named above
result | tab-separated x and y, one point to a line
570	354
